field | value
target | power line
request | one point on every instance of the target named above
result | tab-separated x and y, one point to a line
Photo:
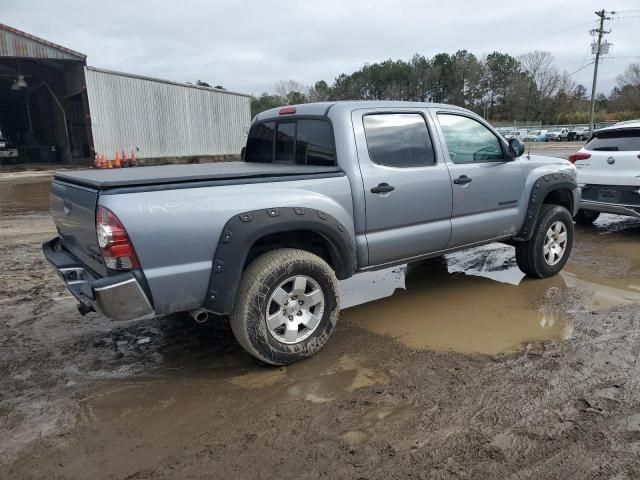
578	70
582	63
554	33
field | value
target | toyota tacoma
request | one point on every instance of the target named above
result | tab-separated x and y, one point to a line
323	191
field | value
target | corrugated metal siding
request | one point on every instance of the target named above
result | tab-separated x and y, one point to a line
15	43
163	119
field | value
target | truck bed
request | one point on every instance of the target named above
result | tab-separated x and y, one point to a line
203	172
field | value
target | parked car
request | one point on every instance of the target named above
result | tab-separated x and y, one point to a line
325	191
559	134
504	132
509	134
609	172
537	136
578	134
6	150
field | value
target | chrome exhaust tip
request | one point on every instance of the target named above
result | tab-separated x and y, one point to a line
200	315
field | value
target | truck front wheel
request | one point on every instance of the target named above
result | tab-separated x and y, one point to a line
287	306
549	248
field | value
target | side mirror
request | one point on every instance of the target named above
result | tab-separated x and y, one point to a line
516	147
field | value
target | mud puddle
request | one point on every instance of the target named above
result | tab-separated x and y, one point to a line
440	308
478	301
156	402
24	195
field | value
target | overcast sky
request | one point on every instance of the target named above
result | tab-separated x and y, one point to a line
248	46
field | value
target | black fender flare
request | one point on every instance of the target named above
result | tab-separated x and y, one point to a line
243	230
542	187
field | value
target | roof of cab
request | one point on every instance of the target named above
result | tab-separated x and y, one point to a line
347	106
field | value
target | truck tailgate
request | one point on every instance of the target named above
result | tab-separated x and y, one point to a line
73	208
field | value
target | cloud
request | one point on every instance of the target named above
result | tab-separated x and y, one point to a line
249	45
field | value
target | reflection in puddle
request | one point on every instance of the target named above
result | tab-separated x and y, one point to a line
607	293
318	383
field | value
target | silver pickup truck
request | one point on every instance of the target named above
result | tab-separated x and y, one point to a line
324	191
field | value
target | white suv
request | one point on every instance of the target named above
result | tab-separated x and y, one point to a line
609	172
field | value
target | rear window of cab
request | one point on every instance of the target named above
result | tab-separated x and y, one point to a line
615	141
303	141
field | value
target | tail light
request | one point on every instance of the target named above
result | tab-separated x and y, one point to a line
115	246
574	157
287	111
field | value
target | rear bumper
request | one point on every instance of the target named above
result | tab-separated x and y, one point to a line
615	208
625	199
119	297
8	153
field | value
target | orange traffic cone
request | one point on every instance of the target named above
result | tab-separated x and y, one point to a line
109	163
103	161
123	160
133	162
116	161
96	161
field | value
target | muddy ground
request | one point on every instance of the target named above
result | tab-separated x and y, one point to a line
467	370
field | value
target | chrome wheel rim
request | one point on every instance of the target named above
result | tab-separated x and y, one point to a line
555	243
294	309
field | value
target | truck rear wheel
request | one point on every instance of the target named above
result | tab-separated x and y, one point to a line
586	217
549	248
287	306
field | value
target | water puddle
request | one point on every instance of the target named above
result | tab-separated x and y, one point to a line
607	292
24	195
478	301
444	310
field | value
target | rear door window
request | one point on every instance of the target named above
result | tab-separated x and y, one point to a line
303	142
616	141
398	140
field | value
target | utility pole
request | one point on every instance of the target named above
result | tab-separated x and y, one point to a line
600	31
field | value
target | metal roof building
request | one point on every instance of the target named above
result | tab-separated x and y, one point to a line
53	107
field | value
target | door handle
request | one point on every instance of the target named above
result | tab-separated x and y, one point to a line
383	188
462	179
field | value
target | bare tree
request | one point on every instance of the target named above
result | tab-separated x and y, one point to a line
539	66
284	87
627	93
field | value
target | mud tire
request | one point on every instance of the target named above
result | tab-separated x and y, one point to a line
586	217
529	254
258	282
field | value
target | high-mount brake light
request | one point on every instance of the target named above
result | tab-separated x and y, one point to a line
574	157
287	111
115	246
